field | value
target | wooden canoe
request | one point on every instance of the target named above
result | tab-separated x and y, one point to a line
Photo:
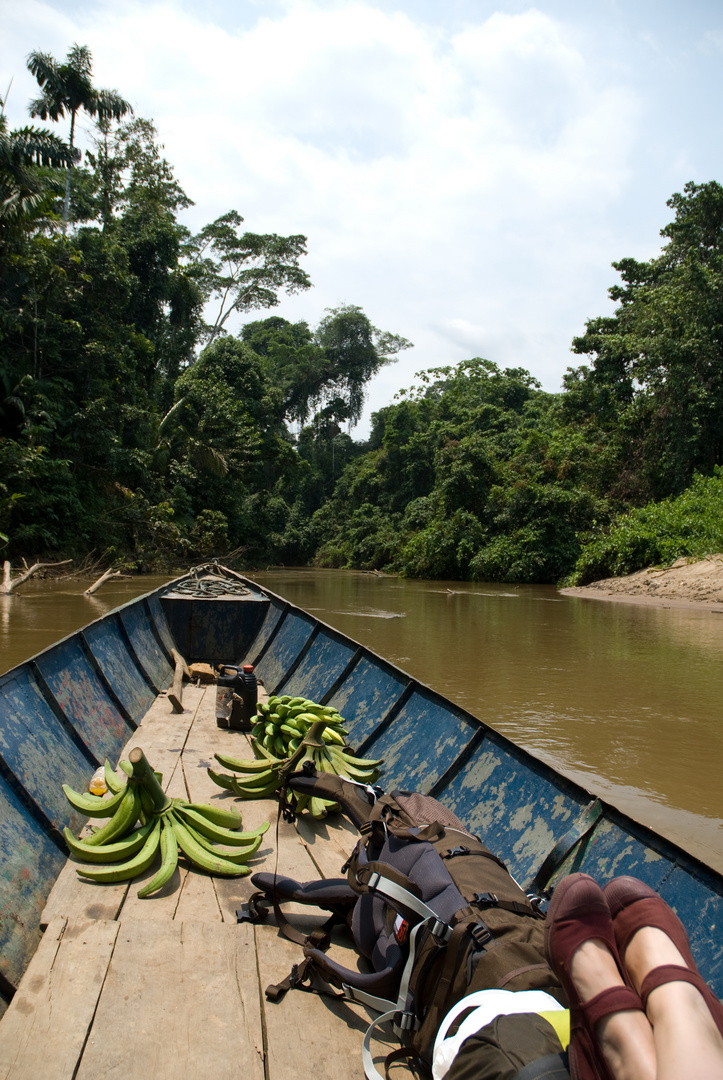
96	982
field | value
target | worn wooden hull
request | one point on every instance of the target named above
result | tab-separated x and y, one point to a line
65	711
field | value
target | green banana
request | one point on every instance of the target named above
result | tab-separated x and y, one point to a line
318	808
222	779
199	855
240	856
107	853
93	805
219	815
129	869
122	821
239	765
361	763
195	828
169	859
217	833
244	792
112	780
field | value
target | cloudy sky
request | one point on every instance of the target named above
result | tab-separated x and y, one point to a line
465	170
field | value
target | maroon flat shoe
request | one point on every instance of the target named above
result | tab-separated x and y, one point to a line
578	912
634	905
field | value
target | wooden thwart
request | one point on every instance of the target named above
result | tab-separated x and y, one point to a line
175	695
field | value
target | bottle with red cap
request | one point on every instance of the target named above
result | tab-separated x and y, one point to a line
236	697
249	697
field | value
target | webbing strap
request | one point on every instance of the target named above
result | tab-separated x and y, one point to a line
396	1018
370	1070
379	1005
407	973
555	858
389	889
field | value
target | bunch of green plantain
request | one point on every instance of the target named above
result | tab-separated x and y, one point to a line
282	722
265	773
171	825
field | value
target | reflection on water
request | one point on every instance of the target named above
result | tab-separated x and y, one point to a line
40	612
622	698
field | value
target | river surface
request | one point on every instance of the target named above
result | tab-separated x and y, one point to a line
626	700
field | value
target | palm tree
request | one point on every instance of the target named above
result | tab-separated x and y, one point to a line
25	191
66	88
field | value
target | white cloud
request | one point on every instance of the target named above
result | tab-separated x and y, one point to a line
444	179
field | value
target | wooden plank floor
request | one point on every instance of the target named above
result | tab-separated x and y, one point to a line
171	987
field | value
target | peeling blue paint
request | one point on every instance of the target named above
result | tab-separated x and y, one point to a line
152	658
292	636
319	669
106	643
424	740
366	696
84	699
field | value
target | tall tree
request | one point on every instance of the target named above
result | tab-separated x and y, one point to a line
243	271
66	89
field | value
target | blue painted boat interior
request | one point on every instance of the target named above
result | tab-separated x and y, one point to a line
74	705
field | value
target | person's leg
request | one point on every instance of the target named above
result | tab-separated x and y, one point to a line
687	1017
611	1038
687	1039
625	1038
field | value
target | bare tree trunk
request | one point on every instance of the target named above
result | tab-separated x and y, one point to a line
104	577
8	585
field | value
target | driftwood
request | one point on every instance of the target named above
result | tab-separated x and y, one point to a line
175	694
104	577
8	583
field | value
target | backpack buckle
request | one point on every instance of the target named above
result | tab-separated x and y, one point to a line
461	850
481	935
440	930
538	903
405	1021
486	899
374	879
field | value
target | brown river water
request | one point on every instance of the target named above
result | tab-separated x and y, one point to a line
626	700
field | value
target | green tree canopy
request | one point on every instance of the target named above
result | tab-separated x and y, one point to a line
27	186
655	382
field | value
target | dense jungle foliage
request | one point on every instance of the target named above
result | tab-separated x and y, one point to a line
135	427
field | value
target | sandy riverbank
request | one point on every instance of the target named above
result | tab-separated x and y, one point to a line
687	583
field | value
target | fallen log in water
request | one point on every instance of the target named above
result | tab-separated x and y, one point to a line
9	583
104	577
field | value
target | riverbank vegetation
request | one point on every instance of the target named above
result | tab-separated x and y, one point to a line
135	426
